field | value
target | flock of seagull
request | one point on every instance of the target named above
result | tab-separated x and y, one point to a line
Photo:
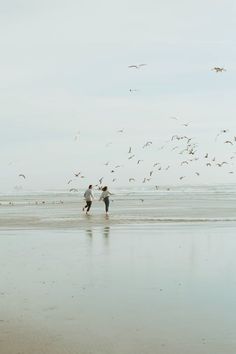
183	145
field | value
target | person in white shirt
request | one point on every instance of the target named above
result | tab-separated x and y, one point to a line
88	196
105	197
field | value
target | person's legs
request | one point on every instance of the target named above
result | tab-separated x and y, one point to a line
88	206
106	201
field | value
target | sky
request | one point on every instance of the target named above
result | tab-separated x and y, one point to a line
65	92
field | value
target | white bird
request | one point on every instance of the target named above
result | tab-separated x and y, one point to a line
73	190
228	142
21	175
139	162
120	130
136	66
100	180
131	180
217	69
148	143
131	157
182	177
69	181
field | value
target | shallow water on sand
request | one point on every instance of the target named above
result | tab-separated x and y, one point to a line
138	288
63	210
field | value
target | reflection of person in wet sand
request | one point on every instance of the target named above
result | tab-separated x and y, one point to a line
106	231
89	232
105	197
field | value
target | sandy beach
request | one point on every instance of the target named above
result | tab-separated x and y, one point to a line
103	286
147	279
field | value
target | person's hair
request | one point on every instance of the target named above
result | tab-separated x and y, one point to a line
90	186
104	188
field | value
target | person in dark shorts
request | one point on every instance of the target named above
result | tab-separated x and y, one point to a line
105	197
88	196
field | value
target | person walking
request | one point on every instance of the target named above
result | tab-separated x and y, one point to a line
105	197
88	196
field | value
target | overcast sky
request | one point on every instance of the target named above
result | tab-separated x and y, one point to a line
64	69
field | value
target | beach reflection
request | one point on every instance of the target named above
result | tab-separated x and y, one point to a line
106	231
89	233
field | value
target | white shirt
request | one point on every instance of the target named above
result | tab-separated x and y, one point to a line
105	194
88	195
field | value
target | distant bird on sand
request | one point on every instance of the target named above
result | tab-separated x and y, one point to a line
136	66
217	69
21	175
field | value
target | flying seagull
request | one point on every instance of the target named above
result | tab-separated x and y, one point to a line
131	180
21	175
136	66
120	130
217	69
73	190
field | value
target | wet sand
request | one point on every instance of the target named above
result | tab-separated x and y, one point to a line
131	288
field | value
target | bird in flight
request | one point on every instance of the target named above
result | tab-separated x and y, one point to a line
131	157
186	124
120	130
21	175
136	66
228	142
131	180
73	190
100	180
148	143
217	69
133	90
